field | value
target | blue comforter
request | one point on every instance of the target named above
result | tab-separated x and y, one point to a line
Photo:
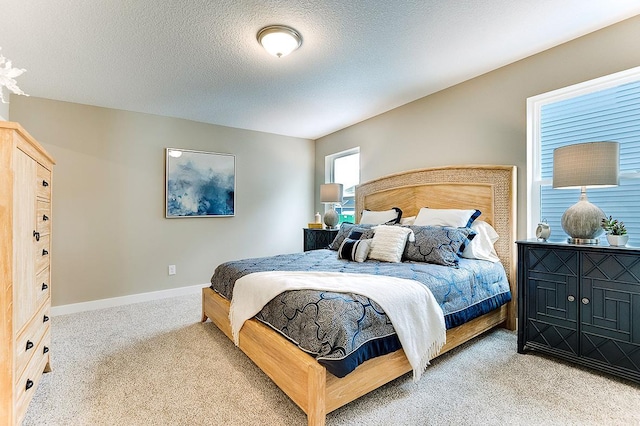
342	330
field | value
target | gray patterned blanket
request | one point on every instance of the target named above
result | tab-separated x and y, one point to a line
342	330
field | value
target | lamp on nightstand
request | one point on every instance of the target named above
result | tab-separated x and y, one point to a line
585	165
331	193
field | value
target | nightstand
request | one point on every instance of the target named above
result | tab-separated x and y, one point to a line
315	239
581	303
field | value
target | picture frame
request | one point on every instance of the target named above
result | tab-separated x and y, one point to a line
199	184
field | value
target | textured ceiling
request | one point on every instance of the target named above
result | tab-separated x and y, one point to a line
199	59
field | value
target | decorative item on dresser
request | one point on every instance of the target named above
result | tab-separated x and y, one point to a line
581	303
25	273
331	193
585	165
315	239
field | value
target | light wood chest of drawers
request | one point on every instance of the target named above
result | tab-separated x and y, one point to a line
25	268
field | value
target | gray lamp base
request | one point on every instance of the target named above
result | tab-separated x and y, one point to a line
582	221
585	241
331	219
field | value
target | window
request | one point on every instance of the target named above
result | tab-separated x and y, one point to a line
344	168
604	109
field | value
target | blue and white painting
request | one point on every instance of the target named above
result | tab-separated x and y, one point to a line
200	184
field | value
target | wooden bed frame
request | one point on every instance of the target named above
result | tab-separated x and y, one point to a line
490	189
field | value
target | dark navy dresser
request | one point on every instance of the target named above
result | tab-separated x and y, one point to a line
581	303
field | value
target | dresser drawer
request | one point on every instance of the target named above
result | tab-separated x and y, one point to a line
42	253
28	382
28	341
43	218
42	287
43	183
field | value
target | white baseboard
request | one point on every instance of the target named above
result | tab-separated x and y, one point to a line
125	300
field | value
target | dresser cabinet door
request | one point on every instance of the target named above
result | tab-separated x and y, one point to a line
25	239
552	301
610	305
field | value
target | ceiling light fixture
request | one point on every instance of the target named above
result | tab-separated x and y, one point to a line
279	40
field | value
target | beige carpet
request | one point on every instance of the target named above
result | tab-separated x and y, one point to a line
156	364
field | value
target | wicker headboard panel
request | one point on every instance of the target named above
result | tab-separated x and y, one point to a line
490	189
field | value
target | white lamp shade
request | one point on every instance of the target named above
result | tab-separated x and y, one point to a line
331	193
590	164
279	40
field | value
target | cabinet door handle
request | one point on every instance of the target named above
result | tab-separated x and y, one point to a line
45	217
44	286
29	384
29	344
45	350
45	183
36	234
45	252
45	319
571	298
585	301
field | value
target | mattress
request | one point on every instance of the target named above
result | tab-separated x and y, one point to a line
342	330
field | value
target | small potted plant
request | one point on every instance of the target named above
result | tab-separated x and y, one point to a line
616	232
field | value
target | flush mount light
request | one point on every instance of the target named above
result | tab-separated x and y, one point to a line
279	40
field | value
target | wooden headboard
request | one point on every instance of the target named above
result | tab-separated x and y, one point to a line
490	189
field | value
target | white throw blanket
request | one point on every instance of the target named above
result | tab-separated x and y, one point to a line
411	307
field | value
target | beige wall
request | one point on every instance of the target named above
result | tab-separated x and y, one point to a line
110	235
4	111
483	120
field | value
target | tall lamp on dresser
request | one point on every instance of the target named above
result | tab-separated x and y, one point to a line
25	273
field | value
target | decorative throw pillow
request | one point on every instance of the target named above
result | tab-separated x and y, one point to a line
437	244
356	250
388	242
407	221
455	218
386	217
343	232
482	245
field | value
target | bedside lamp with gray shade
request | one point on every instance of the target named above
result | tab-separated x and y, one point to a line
331	193
585	165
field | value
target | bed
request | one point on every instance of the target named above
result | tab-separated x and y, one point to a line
490	189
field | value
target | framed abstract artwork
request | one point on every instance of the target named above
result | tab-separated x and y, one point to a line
199	184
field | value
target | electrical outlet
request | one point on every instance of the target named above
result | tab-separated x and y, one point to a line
172	269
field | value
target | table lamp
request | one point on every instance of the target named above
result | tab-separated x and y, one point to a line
331	193
585	165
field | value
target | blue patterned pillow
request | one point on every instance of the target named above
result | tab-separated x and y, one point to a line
441	245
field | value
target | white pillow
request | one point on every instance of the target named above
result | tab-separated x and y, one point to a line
446	217
388	243
407	221
481	246
370	217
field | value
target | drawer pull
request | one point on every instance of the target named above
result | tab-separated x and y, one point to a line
45	319
29	345
585	301
45	252
45	217
36	234
44	286
45	350
45	183
571	298
29	384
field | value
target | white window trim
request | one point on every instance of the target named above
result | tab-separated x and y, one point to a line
534	105
329	159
